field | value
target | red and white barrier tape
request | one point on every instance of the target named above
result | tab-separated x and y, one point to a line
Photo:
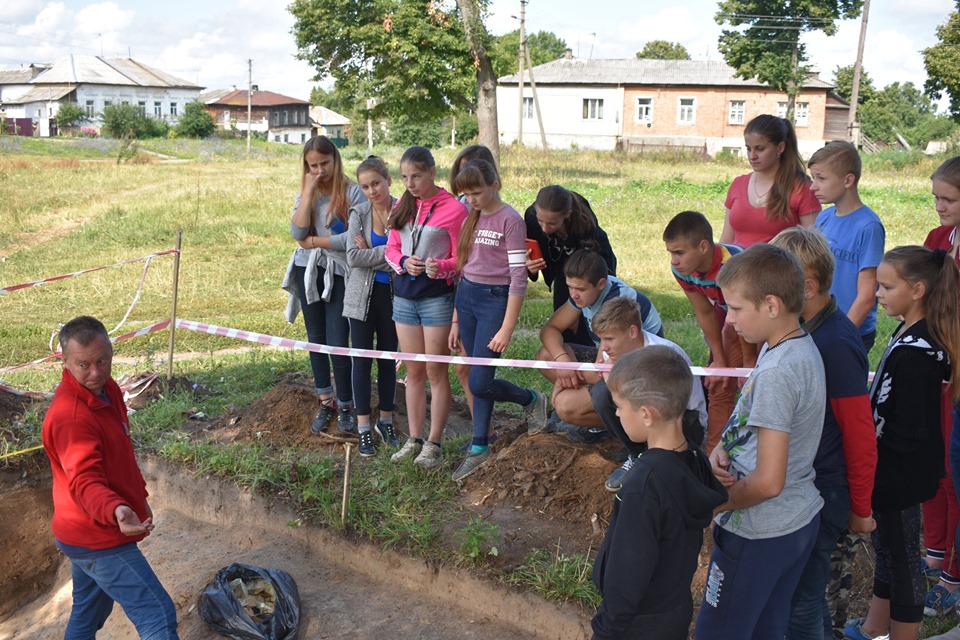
159	326
27	285
287	343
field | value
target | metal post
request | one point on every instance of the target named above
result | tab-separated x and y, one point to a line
249	100
852	131
173	306
523	15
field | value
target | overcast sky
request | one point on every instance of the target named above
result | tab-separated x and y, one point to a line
209	41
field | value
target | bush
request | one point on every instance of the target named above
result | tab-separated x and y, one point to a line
70	114
196	122
128	121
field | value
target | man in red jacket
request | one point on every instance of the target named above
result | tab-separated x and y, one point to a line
99	495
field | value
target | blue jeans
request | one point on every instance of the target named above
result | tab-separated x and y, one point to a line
750	583
810	615
124	577
954	445
480	312
326	325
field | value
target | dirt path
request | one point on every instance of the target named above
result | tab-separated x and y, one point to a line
347	590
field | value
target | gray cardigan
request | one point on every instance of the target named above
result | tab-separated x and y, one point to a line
362	263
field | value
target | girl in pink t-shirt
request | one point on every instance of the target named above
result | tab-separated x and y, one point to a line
491	257
777	194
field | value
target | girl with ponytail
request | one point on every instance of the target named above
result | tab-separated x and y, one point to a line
919	286
776	195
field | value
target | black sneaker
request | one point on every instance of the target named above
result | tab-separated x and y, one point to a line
367	448
346	421
322	418
587	436
387	434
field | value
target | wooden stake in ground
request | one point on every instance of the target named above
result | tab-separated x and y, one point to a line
173	304
346	485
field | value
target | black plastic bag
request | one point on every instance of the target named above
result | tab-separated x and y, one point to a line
271	610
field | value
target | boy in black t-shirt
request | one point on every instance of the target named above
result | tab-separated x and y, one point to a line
649	554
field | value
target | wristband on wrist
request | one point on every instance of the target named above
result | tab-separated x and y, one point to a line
558	356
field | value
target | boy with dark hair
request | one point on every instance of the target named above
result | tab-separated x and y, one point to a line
847	455
855	233
618	326
649	553
695	261
590	286
765	531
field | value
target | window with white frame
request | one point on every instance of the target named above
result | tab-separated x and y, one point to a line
226	117
736	111
801	112
687	111
593	108
107	103
644	114
158	108
173	108
89	108
142	105
528	108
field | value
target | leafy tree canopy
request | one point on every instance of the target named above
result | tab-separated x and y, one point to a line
942	62
904	109
664	50
843	84
764	38
196	121
411	56
543	46
70	114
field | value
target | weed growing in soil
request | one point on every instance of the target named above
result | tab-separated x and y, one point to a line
558	577
479	540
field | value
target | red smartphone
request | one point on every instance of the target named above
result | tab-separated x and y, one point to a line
534	247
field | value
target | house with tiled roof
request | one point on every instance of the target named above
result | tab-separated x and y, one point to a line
280	118
93	82
638	104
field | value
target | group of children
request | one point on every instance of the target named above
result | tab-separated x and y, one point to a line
788	464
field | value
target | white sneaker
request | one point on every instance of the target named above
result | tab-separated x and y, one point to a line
409	449
430	456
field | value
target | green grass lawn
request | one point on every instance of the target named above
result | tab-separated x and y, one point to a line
67	205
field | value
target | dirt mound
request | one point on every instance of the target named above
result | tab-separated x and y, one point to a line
281	417
144	388
12	406
547	474
30	560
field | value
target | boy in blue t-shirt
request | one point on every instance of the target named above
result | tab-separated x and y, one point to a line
854	231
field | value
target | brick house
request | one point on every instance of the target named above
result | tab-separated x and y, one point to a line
651	104
281	118
92	82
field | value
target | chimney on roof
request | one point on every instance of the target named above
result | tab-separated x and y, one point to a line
233	87
568	54
256	87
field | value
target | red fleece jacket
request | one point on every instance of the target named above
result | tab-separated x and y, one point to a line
94	467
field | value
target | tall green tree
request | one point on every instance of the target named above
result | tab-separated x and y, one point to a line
663	50
904	109
70	114
843	84
942	62
763	38
416	59
196	121
544	46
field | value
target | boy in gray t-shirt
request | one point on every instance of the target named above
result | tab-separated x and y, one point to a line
766	530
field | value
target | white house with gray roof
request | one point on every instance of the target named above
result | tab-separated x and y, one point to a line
93	82
657	104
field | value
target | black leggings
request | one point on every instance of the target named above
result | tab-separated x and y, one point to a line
896	577
380	322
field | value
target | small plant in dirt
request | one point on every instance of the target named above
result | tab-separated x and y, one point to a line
478	541
558	577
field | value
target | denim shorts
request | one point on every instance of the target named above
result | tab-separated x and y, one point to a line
424	312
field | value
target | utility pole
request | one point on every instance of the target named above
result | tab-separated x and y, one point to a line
523	39
249	100
533	88
853	131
